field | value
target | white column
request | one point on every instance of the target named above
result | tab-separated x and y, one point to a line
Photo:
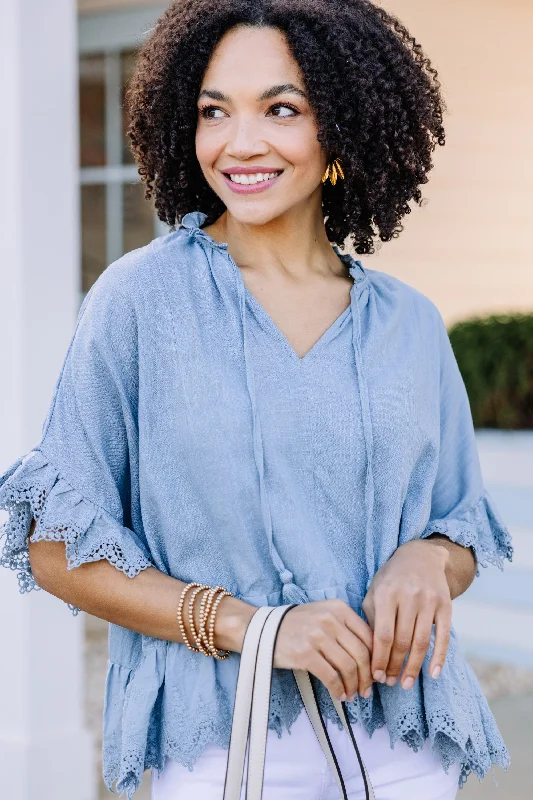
45	750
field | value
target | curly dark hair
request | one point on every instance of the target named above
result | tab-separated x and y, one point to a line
375	95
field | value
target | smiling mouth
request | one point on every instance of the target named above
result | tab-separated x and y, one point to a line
251	180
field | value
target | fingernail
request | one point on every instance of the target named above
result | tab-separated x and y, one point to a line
380	676
342	698
436	672
408	683
391	680
367	693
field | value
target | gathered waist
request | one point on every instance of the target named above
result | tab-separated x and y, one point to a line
126	647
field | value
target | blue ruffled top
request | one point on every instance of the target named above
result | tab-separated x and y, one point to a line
185	433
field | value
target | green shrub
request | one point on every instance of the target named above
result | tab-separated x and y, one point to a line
495	356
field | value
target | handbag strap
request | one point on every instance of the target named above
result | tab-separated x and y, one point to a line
341	711
243	704
310	701
252	700
261	703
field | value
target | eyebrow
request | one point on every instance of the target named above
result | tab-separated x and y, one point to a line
268	94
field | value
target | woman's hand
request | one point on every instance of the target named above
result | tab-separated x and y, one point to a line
328	639
408	594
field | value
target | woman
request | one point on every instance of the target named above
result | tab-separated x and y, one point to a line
243	405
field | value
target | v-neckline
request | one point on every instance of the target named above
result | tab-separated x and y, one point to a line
194	221
267	320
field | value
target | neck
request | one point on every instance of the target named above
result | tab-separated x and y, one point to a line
294	244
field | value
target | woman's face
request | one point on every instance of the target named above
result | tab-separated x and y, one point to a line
254	120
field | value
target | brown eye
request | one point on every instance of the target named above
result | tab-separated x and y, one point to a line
205	112
294	110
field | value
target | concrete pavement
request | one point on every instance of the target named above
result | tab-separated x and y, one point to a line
514	715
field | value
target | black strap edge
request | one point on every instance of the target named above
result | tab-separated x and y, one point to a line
357	752
324	728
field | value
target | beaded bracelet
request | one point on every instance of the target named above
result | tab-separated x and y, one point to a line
205	609
211	633
196	637
204	637
202	614
179	614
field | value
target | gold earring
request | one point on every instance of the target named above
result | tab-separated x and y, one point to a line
333	170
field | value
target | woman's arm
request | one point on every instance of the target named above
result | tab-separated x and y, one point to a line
326	637
414	590
410	593
461	564
146	604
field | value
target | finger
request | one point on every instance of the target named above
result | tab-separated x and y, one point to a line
325	672
368	608
403	638
419	648
361	655
345	664
359	627
386	610
443	622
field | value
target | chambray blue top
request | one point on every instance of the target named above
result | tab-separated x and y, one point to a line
186	433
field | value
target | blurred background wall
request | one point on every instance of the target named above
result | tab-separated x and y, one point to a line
470	248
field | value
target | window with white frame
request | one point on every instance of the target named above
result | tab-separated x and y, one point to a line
115	217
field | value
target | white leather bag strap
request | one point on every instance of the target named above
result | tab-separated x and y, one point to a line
260	710
310	702
253	697
261	704
243	704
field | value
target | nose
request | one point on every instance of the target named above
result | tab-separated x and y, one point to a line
246	140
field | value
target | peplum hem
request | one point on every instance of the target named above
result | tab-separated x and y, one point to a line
451	712
480	528
170	702
32	488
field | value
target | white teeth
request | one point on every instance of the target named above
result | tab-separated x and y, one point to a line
251	179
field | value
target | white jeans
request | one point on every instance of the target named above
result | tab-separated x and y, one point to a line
296	769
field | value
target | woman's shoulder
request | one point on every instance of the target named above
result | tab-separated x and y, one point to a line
137	273
401	298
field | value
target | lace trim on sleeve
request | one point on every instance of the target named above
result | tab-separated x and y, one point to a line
32	488
480	528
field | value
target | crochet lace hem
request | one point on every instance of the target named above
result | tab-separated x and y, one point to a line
476	745
33	489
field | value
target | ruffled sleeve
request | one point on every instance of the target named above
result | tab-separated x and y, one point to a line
461	507
77	481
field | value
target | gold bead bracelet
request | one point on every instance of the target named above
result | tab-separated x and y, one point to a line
211	633
204	613
179	614
204	637
192	627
